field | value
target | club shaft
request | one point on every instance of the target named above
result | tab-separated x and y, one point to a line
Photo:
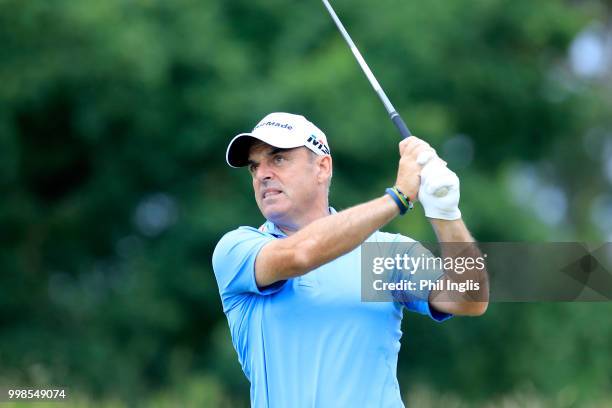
395	117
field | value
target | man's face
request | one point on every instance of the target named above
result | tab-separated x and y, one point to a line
286	182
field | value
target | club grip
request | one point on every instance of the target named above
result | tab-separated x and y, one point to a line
400	125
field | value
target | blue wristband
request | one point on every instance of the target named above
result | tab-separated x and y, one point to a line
403	198
403	208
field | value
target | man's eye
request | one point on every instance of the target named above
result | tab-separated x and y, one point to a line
278	159
252	168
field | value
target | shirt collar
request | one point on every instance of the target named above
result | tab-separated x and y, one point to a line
272	229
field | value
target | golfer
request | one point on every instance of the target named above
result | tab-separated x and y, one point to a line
291	289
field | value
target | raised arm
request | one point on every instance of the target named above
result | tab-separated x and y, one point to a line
332	236
322	241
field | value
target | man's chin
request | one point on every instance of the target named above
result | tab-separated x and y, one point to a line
275	212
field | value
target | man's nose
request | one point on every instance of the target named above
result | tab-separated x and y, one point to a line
264	172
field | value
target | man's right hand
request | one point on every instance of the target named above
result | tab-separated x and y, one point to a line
414	154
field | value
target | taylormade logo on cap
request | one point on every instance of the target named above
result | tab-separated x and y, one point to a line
280	125
278	129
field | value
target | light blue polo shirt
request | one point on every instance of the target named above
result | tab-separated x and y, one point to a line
310	341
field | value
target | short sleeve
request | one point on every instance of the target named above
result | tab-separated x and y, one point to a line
234	266
417	300
424	307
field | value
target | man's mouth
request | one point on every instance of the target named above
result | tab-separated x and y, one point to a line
271	193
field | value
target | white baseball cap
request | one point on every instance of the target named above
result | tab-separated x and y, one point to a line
278	129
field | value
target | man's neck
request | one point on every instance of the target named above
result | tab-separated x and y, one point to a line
291	228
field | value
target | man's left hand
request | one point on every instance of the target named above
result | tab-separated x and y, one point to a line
437	179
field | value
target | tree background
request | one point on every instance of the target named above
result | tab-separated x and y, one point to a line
114	120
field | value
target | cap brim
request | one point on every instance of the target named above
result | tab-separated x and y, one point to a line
237	154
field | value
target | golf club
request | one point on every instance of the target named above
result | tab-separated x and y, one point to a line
395	117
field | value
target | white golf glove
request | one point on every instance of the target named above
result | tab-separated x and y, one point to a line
439	191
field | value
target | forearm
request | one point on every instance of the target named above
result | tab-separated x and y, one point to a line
330	237
451	231
457	242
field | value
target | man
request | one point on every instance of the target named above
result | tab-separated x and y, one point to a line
291	289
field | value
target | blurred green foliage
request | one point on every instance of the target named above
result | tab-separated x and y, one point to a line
114	118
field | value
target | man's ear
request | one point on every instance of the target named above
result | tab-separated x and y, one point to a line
325	168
